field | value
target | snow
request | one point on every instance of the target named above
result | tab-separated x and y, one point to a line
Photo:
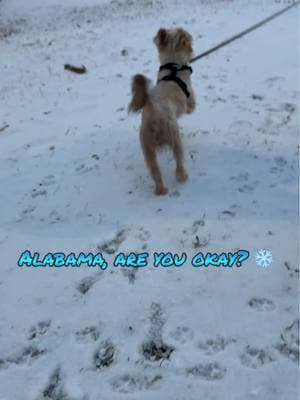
73	179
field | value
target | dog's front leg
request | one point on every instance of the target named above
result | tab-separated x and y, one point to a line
181	174
191	102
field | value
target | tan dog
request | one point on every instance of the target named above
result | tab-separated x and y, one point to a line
166	102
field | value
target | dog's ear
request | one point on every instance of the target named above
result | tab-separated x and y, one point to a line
184	41
161	38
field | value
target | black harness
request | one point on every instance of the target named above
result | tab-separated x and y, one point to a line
174	68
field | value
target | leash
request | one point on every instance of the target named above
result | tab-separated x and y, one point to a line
245	32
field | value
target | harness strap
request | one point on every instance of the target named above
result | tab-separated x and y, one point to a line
174	68
179	82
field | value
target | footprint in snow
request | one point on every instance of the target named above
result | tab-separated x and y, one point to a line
237	126
274	80
38	330
26	213
83	169
246	189
143	234
154	349
25	355
213	346
280	162
86	283
209	372
253	357
182	334
261	304
54	389
228	213
130	273
88	334
242	177
130	383
105	354
288	345
292	270
35	193
111	246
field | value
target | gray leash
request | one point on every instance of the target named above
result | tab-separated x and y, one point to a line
245	32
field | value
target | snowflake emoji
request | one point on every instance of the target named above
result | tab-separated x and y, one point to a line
263	258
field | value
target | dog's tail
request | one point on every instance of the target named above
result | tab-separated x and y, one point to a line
139	93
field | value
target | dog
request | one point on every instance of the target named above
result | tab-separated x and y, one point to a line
163	104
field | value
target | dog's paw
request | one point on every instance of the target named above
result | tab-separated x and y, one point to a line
160	190
181	175
191	108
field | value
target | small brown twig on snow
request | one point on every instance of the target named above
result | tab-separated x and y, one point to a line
73	68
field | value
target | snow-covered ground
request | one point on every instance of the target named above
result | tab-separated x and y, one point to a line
73	178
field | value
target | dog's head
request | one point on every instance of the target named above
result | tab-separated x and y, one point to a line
174	45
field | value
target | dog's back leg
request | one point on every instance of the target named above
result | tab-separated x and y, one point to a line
181	174
151	161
